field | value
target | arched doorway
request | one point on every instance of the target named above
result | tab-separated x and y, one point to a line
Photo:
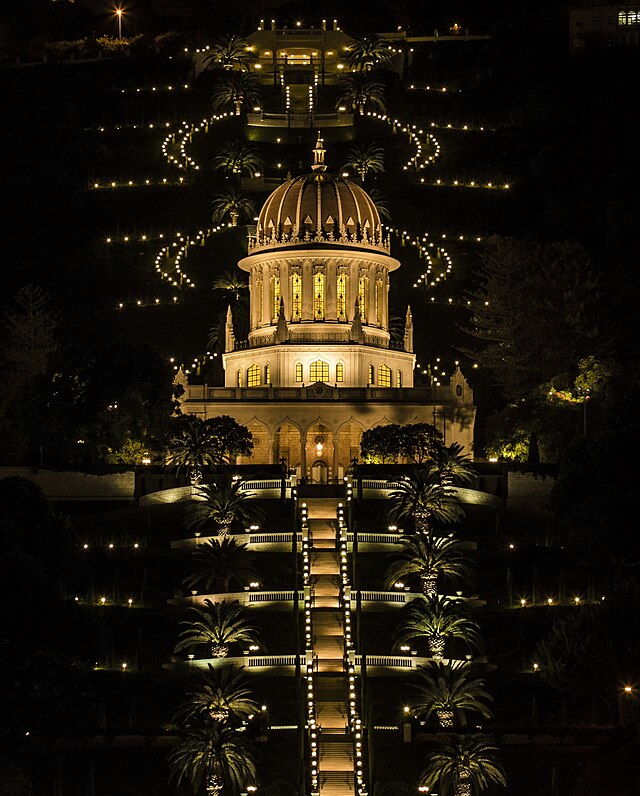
286	444
319	448
260	452
319	473
349	436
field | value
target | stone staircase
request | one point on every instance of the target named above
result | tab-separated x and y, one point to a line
336	763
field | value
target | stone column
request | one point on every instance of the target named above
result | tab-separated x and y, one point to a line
266	293
303	454
371	309
385	300
307	290
285	287
330	289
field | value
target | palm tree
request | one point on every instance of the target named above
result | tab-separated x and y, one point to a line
428	557
368	52
437	619
240	310
448	691
360	91
461	764
228	51
452	465
234	90
232	282
193	448
237	157
219	693
219	561
221	503
234	203
421	496
214	756
218	624
381	203
365	158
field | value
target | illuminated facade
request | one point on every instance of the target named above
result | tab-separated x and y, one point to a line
319	366
592	25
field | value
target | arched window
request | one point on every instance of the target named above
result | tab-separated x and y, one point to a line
267	374
384	376
318	296
398	378
296	297
239	378
372	375
319	371
339	372
253	376
341	297
275	297
362	297
299	372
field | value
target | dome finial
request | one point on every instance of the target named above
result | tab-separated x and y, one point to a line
318	155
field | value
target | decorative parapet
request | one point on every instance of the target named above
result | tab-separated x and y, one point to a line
376	240
307	120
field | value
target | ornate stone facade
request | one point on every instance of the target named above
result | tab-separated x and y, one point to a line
319	366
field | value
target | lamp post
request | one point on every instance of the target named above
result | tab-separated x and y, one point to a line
118	13
584	413
623	696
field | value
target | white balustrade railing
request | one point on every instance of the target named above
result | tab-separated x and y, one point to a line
270	660
388	596
380	488
244	661
376	538
250	539
247	597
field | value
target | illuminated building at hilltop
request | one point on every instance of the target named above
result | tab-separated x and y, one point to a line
319	366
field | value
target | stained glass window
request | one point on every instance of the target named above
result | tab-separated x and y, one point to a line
362	297
318	296
275	297
299	372
339	372
341	305
253	376
296	297
319	371
384	376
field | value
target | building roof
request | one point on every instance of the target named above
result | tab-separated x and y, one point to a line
319	207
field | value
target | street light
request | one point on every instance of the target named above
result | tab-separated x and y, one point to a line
118	13
623	696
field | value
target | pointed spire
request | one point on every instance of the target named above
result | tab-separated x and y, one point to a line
408	332
282	331
356	326
229	336
318	155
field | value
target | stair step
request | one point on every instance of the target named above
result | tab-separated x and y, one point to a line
326	584
325	602
336	783
331	715
329	647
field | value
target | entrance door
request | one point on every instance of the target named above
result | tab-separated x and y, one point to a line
319	473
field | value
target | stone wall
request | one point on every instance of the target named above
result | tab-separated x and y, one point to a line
62	485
